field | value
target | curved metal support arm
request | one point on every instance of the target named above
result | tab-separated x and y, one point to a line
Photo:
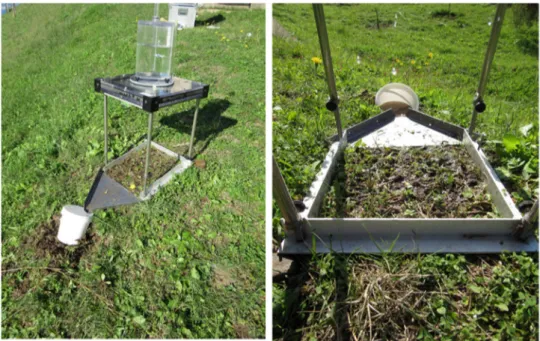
478	102
333	104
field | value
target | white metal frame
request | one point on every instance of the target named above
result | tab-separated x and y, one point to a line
374	235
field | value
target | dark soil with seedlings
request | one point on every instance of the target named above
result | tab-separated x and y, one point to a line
412	182
130	172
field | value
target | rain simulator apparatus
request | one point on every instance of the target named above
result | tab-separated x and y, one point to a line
150	88
401	125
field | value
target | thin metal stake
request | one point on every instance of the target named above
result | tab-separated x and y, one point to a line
190	153
488	59
105	127
148	147
333	104
285	202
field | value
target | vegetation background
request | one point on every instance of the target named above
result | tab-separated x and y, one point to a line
187	263
438	50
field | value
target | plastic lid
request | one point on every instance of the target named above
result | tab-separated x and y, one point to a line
75	210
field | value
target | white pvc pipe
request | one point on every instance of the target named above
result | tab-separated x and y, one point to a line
73	224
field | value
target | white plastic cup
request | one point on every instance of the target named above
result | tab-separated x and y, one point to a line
396	96
73	224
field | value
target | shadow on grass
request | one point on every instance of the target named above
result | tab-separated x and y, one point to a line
289	321
210	21
210	122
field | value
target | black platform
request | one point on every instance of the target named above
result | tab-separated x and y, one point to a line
147	98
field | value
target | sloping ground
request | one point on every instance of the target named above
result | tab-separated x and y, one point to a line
154	269
440	55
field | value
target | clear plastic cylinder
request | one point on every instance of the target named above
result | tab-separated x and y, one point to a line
155	44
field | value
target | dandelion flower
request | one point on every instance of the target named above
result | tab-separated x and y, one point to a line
316	60
398	61
245	46
413	62
132	186
241	31
430	55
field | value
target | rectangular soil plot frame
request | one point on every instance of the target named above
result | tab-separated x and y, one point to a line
181	165
418	235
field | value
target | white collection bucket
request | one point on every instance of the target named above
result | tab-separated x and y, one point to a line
73	224
396	96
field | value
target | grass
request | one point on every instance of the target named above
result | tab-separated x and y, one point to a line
437	50
187	263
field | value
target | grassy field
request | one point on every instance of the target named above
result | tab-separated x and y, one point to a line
438	50
188	263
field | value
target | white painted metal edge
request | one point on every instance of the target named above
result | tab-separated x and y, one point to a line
500	196
409	244
362	227
165	179
320	185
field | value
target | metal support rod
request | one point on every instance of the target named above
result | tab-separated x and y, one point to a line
148	147
190	153
488	59
156	11
333	104
285	202
106	146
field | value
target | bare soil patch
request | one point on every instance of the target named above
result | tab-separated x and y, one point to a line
130	172
413	182
45	244
222	277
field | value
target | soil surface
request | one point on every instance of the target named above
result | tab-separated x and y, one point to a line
44	241
413	182
130	172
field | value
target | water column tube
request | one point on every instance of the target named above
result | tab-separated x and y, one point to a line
478	103
333	104
155	18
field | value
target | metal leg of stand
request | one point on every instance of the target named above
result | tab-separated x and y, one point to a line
105	127
148	146
190	153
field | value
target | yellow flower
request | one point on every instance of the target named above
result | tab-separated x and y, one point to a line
430	55
398	61
245	46
132	186
426	63
316	60
413	62
241	31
